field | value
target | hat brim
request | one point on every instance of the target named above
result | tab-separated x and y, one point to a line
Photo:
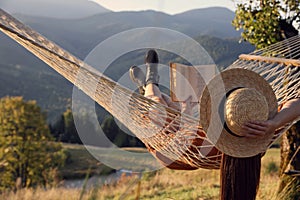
213	124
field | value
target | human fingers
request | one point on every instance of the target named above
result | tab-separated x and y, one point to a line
256	125
253	130
253	134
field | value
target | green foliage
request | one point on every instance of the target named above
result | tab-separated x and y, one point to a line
70	133
28	155
117	136
260	24
266	22
272	168
149	175
64	129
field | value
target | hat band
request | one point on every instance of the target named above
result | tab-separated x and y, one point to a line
221	112
230	131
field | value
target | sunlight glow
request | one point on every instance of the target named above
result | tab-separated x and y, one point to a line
167	6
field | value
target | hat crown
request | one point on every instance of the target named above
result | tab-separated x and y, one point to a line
244	105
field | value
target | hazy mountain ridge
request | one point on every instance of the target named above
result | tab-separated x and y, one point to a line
82	35
69	9
214	21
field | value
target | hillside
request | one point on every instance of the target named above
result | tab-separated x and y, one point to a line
214	21
25	75
66	9
80	36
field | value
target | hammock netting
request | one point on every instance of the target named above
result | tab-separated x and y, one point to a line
279	64
174	138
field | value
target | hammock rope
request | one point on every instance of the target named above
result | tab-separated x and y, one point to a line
174	138
279	64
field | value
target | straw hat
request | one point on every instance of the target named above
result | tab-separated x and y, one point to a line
230	99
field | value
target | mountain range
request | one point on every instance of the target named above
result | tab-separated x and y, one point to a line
24	75
60	9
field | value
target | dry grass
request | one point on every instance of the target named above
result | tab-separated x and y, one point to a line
164	184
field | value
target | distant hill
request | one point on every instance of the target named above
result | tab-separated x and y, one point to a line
224	51
214	21
81	35
66	9
24	75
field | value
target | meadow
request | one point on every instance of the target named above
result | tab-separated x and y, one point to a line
162	184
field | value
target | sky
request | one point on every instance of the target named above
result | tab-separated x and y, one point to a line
167	6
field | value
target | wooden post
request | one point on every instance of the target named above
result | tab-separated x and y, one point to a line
290	160
287	62
239	177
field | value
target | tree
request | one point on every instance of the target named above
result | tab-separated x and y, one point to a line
57	128
110	128
70	132
265	22
64	130
118	136
28	155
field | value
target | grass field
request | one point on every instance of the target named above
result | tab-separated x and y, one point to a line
80	162
163	184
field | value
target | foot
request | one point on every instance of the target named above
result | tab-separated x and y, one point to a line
138	77
151	61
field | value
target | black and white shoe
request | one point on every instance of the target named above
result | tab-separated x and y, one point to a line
137	76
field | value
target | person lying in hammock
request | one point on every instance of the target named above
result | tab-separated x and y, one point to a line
149	87
288	113
230	166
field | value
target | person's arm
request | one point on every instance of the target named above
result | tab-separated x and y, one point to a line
289	112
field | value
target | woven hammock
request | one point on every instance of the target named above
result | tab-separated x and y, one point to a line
178	141
279	64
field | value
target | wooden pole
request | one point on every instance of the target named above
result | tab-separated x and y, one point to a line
287	62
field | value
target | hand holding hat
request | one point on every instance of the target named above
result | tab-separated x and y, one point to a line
230	99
